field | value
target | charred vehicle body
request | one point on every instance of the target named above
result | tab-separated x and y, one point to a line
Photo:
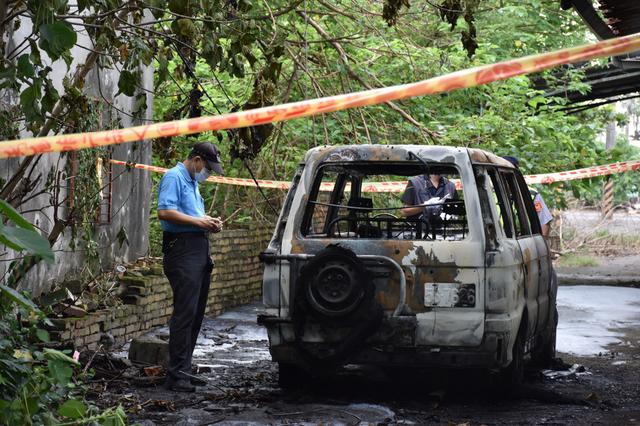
349	280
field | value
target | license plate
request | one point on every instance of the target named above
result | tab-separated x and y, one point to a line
449	295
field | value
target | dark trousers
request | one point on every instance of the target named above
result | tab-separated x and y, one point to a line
187	264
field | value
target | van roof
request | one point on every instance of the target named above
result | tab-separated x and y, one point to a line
343	153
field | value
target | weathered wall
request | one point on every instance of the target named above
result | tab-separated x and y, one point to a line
236	280
131	191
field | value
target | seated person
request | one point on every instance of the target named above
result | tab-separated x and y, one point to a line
424	190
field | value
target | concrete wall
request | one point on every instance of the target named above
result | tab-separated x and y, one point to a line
130	192
146	294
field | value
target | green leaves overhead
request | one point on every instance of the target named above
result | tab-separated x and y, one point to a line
25	67
183	7
128	82
57	38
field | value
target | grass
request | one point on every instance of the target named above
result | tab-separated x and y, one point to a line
576	260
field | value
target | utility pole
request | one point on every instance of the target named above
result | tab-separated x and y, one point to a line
607	196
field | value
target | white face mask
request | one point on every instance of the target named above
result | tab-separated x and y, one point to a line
202	175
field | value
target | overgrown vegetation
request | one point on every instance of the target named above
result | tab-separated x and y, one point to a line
214	56
38	385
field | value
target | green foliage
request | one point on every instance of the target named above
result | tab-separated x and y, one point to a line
57	38
626	185
576	260
40	385
216	56
509	118
23	236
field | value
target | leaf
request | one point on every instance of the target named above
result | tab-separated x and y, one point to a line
22	354
182	7
30	241
29	101
122	236
35	53
56	355
127	83
73	409
57	38
116	417
43	335
83	4
25	67
7	242
162	73
19	298
212	52
7	76
50	97
158	7
60	372
14	216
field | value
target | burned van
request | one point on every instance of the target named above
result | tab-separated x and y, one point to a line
362	269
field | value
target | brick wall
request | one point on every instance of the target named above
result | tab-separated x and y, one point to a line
146	294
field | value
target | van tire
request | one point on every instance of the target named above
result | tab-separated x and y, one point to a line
290	376
544	356
513	374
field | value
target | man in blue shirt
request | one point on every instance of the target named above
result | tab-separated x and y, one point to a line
423	193
187	257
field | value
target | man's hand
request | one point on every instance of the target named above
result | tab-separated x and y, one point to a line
212	224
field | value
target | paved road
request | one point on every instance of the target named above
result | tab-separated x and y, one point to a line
590	220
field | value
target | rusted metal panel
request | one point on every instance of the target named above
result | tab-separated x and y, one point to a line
483	157
623	16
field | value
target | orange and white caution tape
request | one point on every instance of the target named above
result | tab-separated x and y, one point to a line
588	172
458	80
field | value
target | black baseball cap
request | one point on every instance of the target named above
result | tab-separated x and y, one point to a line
210	154
512	160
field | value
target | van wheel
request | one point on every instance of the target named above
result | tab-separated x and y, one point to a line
513	374
545	355
290	375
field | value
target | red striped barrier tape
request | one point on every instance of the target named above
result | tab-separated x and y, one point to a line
585	173
458	80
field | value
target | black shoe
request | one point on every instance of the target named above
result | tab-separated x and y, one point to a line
197	381
179	385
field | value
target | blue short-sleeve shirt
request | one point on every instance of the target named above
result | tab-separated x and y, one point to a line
541	208
179	191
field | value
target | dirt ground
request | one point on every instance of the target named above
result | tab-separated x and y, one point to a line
243	389
600	387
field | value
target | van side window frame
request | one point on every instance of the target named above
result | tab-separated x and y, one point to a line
503	206
534	220
519	209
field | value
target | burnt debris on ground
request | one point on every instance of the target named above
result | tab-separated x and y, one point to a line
242	387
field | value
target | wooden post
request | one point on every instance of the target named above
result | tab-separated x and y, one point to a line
607	196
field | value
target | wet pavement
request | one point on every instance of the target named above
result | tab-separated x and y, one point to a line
593	318
597	338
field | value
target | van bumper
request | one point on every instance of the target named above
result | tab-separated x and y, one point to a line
392	346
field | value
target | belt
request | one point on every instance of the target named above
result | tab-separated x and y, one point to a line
184	235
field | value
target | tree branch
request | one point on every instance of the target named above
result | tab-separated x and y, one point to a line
345	61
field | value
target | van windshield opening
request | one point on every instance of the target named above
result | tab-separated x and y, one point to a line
382	200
